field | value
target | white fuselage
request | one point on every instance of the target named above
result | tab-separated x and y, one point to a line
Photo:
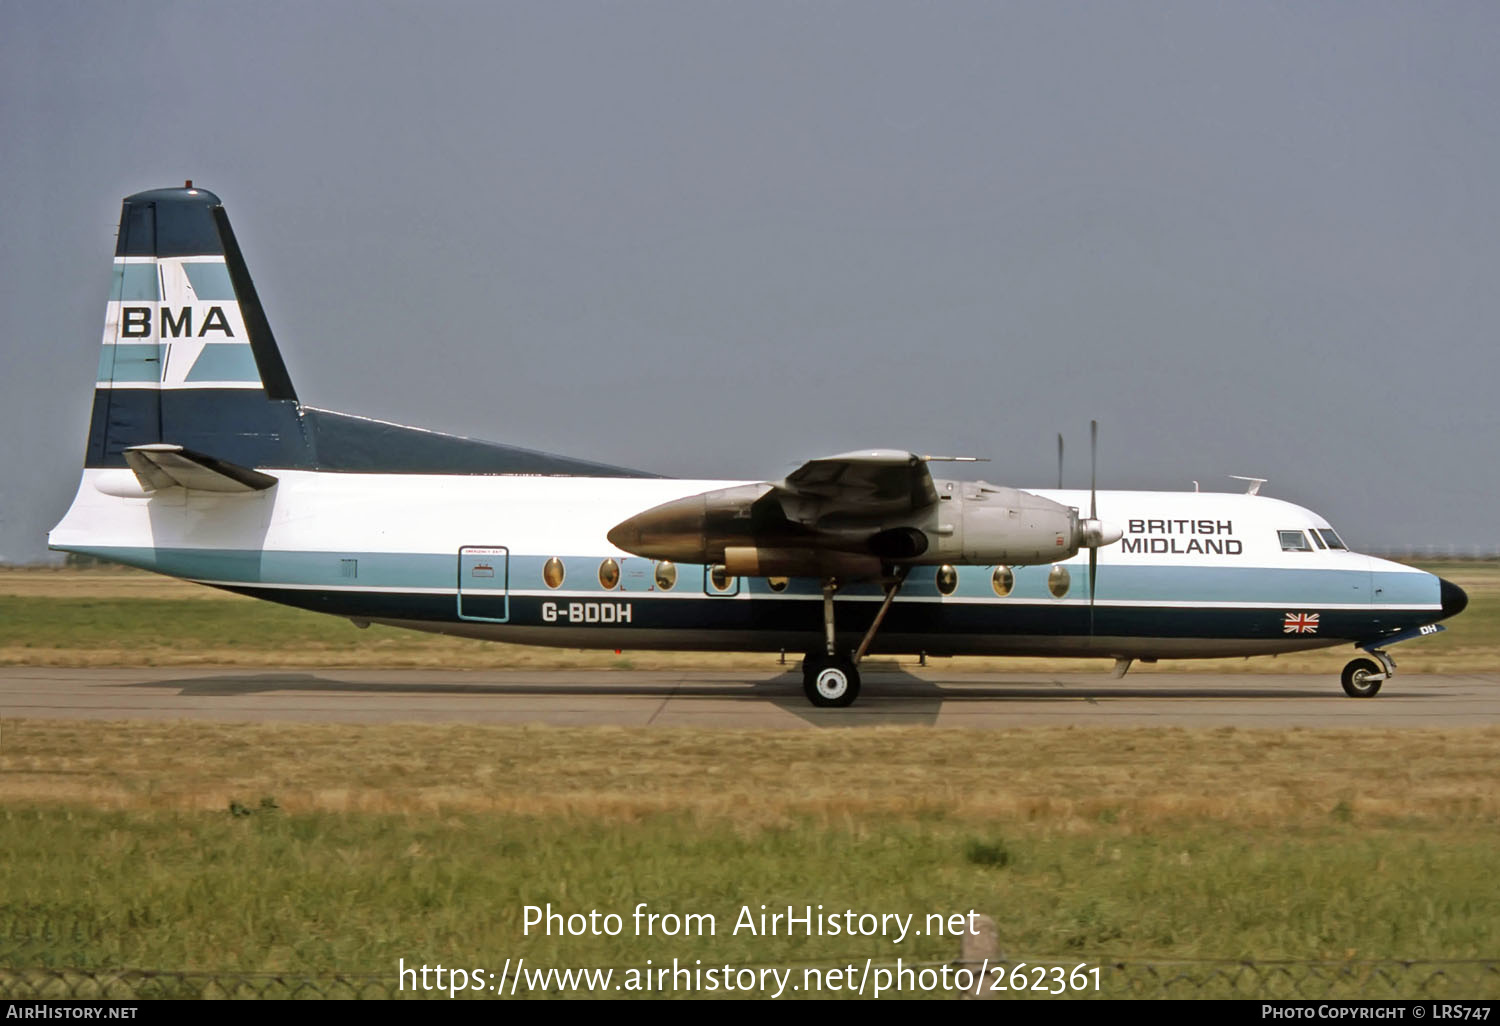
1194	574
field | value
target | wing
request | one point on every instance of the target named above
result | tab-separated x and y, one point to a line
871	484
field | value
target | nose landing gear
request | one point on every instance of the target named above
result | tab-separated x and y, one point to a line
1362	678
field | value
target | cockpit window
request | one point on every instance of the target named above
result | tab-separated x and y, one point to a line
1294	541
1331	538
1318	539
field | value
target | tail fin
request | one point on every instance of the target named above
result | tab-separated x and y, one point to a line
188	357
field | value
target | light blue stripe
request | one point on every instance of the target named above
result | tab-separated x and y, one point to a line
225	362
210	281
1395	589
1206	585
135	282
131	362
241	565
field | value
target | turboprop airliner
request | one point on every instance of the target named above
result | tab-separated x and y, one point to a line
203	463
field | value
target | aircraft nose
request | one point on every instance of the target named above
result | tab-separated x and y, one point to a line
1454	598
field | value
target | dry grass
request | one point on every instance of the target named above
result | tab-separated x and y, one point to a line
102	583
313	848
1063	778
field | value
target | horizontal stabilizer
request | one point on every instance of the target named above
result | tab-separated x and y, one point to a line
167	466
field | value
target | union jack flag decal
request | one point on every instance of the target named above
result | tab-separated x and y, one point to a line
1300	623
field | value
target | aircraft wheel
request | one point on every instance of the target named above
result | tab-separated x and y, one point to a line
1356	679
830	681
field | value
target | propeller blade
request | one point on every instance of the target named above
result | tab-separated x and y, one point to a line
1093	469
1093	576
1093	514
1059	460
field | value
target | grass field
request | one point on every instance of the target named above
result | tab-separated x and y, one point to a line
116	617
328	848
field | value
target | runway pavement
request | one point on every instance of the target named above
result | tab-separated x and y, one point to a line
716	698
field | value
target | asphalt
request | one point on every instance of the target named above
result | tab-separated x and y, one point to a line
712	698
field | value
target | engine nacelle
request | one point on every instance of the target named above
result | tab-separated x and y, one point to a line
745	528
694	529
1009	526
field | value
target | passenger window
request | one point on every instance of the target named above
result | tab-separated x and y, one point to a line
1002	580
778	584
946	579
1058	581
609	574
1294	541
1331	536
553	573
666	575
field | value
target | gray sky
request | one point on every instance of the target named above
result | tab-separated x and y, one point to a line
717	239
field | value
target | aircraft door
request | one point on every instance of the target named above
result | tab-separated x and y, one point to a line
484	583
636	574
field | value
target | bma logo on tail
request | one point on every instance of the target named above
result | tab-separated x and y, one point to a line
135	322
175	323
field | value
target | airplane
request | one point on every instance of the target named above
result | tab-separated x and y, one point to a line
203	463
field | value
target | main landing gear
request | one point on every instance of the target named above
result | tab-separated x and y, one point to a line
829	678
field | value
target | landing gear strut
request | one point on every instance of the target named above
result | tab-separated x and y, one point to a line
830	679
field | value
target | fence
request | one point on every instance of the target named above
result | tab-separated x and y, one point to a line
1119	978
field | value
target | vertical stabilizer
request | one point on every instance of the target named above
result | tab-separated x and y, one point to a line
188	357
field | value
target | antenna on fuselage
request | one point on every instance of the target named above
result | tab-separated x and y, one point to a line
1255	483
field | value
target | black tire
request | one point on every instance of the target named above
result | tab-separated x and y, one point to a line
830	682
1356	682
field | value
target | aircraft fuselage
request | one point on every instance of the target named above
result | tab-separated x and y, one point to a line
1195	575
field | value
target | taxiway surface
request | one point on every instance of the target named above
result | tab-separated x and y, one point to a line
717	698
